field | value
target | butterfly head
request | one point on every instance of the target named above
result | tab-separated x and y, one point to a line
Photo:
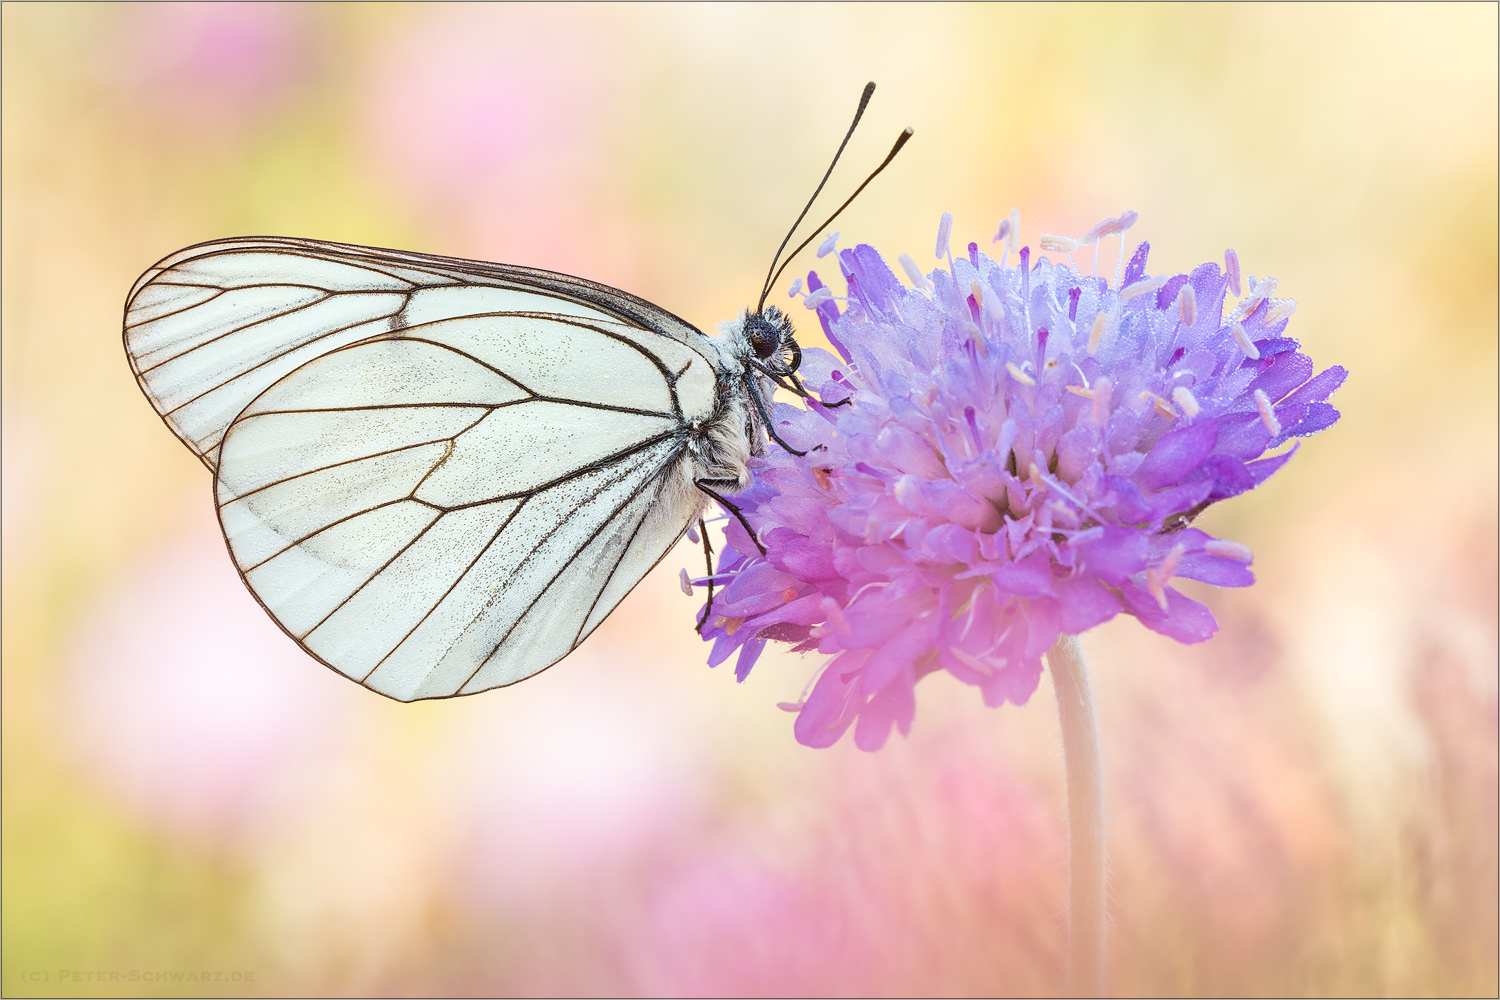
771	339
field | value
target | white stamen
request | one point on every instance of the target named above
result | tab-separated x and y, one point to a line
1086	536
1258	294
1280	309
828	245
1169	564
990	305
1106	227
1143	286
796	287
1267	415
1154	588
1184	398
834	615
913	272
1101	229
1018	374
945	226
1232	270
1097	333
1013	243
1057	244
978	666
968	613
1159	405
815	299
1157	577
1102	388
1125	222
1187	305
1002	232
682	577
1243	340
1228	550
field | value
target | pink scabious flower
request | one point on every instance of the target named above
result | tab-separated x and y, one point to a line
1001	455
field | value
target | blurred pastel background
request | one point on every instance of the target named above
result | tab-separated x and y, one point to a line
1304	804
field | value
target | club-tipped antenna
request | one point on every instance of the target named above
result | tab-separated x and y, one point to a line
900	141
864	100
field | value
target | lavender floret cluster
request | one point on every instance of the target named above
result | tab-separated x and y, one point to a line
1019	453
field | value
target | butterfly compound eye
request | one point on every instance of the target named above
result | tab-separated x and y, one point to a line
764	334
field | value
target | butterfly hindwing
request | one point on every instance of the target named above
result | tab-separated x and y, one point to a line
438	476
429	524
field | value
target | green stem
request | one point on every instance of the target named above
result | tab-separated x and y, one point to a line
1085	819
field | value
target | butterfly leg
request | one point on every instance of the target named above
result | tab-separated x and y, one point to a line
708	558
765	419
794	385
703	486
802	391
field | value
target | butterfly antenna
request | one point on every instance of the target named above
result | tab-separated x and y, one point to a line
864	100
900	141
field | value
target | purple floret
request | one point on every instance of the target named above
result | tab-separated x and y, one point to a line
1009	468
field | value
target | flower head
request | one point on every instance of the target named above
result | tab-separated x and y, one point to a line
998	456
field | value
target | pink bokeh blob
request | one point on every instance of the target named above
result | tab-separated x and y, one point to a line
211	67
186	701
580	774
470	94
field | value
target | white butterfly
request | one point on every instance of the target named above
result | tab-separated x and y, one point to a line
438	475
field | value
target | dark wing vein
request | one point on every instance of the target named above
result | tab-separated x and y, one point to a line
326	296
594	466
386	565
333	524
177	284
613	301
667	464
357	458
411	496
609	577
443	597
559	400
276	357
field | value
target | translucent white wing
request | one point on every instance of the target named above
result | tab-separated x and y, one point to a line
457	506
211	327
438	476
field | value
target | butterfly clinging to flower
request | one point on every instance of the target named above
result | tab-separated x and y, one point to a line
438	475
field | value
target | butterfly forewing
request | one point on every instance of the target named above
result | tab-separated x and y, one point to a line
213	326
437	476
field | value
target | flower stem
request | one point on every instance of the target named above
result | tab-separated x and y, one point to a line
1085	819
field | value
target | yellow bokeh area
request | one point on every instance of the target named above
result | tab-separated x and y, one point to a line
1305	804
